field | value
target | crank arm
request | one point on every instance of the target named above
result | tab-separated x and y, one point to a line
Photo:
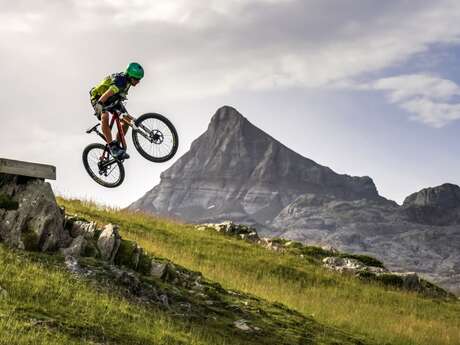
108	163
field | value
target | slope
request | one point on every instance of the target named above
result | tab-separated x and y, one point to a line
369	311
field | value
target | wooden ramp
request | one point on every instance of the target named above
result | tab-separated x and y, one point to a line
13	167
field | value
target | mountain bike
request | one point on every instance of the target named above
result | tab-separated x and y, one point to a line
154	137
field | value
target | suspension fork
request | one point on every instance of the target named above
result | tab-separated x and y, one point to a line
135	128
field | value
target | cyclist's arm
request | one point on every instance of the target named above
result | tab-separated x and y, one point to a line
106	95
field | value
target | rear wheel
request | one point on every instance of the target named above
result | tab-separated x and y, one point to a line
155	137
102	167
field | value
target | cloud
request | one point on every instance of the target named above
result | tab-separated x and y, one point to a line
196	49
54	51
432	113
225	45
424	96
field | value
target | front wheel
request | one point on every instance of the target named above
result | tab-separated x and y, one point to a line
102	167
155	137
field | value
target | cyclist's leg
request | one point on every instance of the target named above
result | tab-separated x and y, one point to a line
105	127
104	118
125	125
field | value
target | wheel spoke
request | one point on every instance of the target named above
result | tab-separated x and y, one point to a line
162	138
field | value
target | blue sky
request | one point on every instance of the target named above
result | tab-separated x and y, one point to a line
365	87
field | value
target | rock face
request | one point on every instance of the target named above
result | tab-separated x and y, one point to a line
435	206
235	171
109	242
29	215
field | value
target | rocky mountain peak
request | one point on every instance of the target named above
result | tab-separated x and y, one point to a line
237	170
434	206
444	196
226	116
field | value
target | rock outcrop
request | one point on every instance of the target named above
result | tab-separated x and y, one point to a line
241	231
434	206
235	171
29	216
361	266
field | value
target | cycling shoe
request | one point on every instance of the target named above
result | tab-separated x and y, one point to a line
118	152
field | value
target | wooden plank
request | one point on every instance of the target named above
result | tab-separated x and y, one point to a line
13	167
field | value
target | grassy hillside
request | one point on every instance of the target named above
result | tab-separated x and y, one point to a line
47	305
42	303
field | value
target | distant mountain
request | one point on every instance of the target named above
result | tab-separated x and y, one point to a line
435	206
236	171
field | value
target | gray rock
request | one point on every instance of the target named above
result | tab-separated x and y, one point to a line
37	223
434	206
158	269
82	228
445	196
343	264
242	325
406	280
109	242
241	231
164	300
73	266
76	247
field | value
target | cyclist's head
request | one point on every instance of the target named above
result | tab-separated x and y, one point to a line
135	72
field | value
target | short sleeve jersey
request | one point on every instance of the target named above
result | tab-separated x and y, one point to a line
117	82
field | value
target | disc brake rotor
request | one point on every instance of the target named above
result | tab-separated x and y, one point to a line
156	136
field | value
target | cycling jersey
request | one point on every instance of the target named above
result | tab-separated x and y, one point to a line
117	82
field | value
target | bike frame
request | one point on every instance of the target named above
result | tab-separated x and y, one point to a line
121	133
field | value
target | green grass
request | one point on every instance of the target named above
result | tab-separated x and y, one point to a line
377	313
45	304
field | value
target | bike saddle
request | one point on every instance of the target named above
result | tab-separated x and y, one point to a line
93	128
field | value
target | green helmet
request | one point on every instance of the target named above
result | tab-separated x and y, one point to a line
134	70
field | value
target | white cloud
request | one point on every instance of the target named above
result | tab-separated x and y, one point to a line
424	96
432	113
417	85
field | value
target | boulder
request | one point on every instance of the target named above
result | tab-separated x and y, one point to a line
109	242
242	231
158	269
344	265
82	228
31	218
76	248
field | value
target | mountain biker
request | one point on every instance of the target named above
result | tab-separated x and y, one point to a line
108	93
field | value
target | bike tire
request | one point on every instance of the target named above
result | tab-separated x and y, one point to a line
170	134
85	156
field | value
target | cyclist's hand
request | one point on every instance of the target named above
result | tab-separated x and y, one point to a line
99	108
